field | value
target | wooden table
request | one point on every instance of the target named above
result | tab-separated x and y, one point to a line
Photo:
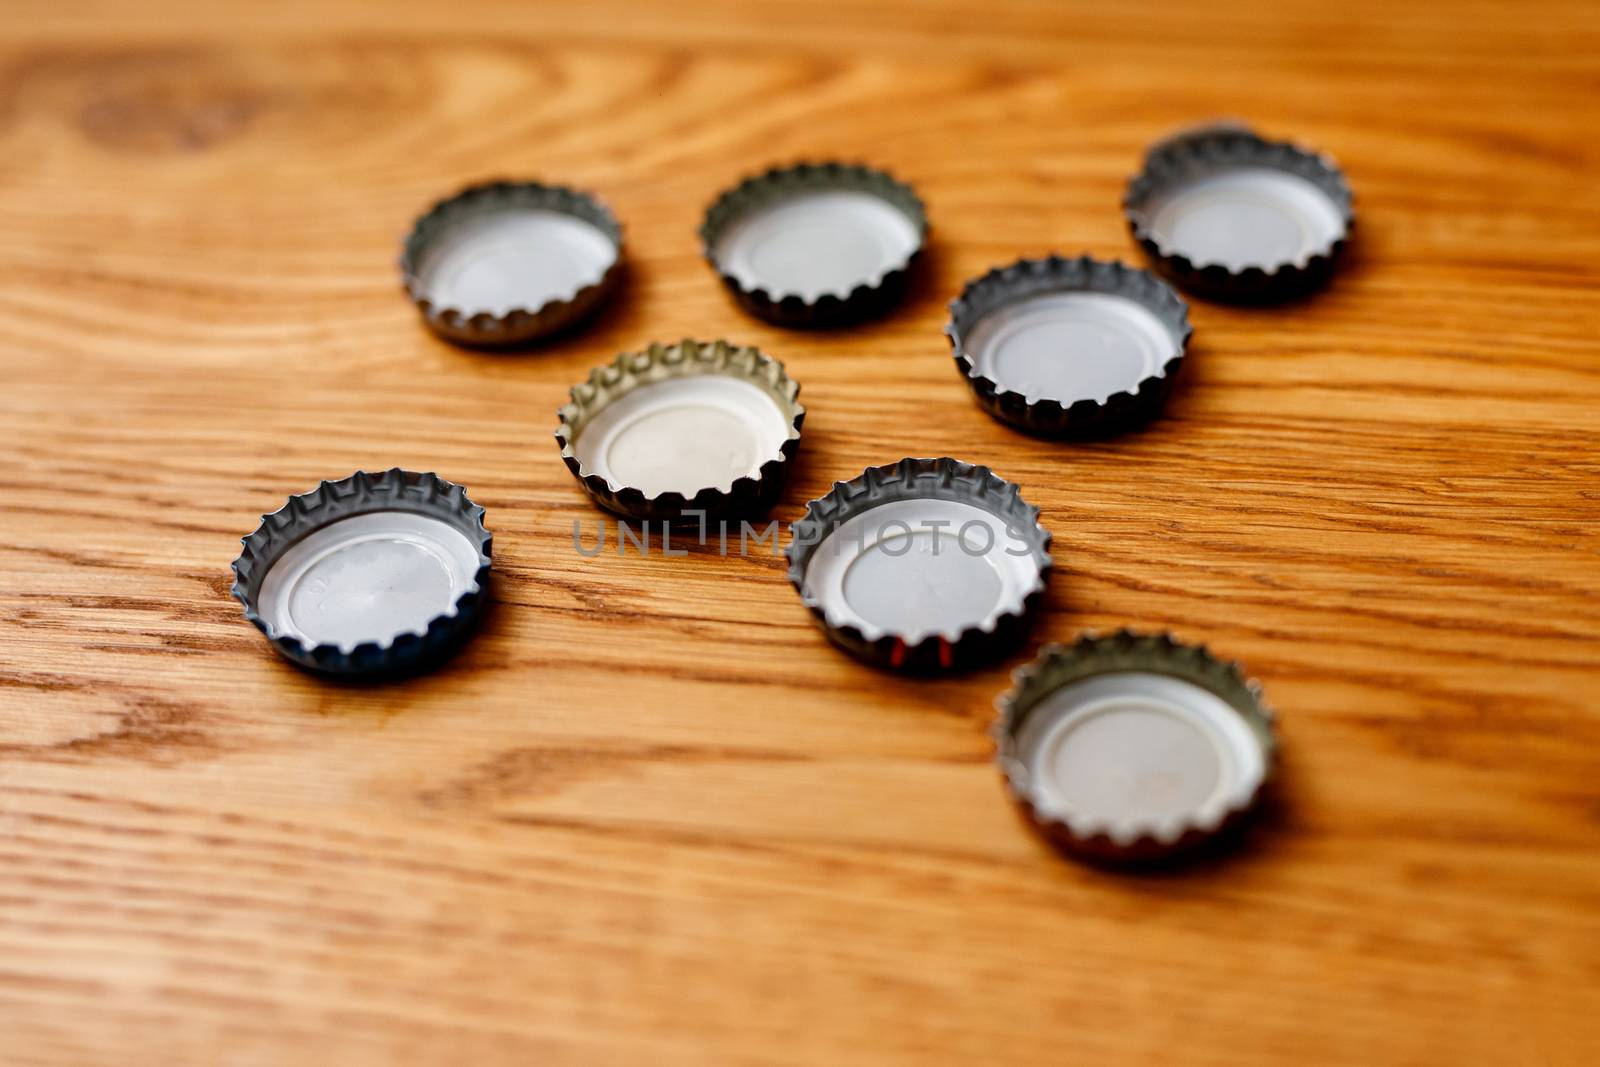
650	816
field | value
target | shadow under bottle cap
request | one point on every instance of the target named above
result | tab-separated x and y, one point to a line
707	427
925	565
1133	747
370	576
1069	347
506	263
1228	214
815	244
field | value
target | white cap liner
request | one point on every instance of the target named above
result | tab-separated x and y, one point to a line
683	435
370	577
1068	346
816	242
1136	753
514	256
916	568
1247	216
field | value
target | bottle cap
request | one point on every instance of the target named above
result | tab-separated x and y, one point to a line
1133	746
1069	347
925	565
1227	214
696	426
372	575
506	263
815	244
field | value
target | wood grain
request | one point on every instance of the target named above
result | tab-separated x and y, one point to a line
649	816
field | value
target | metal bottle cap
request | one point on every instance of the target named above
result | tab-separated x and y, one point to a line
815	244
375	574
1069	347
693	426
1230	215
505	263
1133	746
924	565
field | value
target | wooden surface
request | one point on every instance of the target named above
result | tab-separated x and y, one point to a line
650	816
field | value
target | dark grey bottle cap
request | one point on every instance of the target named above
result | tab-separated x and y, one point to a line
815	244
924	565
1069	347
506	263
1133	746
372	575
1230	215
697	426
